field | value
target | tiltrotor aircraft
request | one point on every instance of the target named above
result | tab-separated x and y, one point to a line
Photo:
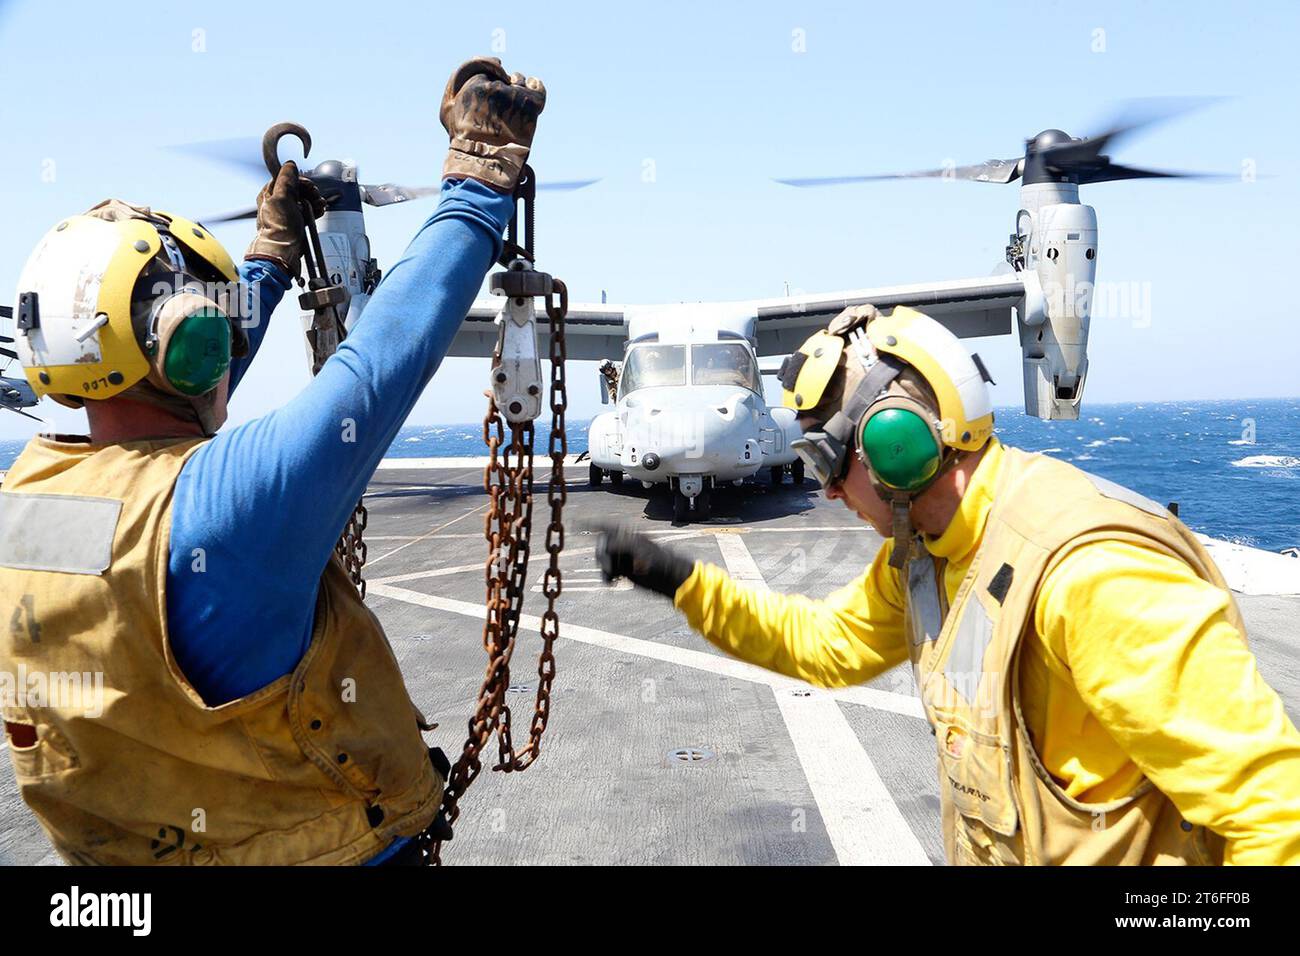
15	393
689	409
688	401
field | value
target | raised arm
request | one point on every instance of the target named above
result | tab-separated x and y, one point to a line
265	502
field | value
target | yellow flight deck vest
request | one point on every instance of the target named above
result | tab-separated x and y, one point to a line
999	805
116	753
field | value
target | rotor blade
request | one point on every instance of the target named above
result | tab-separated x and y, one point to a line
1136	115
9	352
814	181
241	152
1111	172
249	213
19	411
989	171
388	193
565	185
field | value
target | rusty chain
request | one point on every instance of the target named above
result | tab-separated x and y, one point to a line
508	481
327	330
351	549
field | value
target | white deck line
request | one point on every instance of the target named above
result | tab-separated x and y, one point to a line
740	563
428	534
1247	570
905	705
863	823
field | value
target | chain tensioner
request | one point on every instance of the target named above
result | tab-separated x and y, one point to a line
515	399
327	301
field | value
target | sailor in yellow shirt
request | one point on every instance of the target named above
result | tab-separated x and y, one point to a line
1080	659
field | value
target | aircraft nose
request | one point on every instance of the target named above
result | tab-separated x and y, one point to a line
690	441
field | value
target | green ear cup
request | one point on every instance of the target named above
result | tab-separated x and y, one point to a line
198	353
900	448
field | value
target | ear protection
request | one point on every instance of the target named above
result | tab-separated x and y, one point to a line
905	442
900	443
190	338
188	344
895	435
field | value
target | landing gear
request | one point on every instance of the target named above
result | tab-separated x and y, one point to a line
686	508
594	474
616	479
681	508
796	473
703	504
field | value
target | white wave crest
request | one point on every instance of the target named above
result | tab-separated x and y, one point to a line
1267	461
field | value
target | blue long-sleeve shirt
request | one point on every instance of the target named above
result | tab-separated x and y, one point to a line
266	501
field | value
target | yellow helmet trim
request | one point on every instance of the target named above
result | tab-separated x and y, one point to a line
897	334
823	351
88	349
121	363
198	240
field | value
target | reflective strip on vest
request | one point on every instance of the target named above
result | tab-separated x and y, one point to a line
925	618
964	668
68	533
1126	495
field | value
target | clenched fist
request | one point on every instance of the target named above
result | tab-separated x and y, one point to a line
491	117
280	223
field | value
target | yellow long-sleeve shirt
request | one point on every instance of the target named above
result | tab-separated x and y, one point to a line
1132	670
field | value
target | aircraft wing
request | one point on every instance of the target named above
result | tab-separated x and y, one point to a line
969	307
590	331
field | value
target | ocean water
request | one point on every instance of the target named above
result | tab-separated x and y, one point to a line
1233	466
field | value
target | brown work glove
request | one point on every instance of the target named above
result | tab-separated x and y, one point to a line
280	226
491	117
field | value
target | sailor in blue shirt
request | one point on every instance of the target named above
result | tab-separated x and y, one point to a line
255	510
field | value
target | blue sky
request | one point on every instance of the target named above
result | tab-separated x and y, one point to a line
720	99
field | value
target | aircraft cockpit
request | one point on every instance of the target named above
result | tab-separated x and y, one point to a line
725	363
709	363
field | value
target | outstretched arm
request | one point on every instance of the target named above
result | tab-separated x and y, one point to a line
266	501
852	635
257	509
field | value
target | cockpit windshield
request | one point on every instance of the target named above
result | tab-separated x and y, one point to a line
724	363
649	366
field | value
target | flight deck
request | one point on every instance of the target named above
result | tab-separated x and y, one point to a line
660	750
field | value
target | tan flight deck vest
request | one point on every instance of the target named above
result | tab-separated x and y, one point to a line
999	804
292	773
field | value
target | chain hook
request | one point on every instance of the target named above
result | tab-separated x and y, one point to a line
271	144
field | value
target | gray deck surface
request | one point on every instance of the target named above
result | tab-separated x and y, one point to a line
793	778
